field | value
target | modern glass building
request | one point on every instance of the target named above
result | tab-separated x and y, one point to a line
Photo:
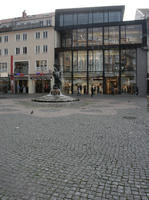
98	49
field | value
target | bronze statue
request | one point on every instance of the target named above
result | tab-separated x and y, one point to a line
57	76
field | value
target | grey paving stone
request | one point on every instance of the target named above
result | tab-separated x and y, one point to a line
98	154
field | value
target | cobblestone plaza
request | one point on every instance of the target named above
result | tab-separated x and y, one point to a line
93	149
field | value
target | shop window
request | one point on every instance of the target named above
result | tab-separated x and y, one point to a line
41	65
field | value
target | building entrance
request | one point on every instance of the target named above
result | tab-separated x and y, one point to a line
21	86
112	85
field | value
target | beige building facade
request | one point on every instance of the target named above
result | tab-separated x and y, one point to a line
27	53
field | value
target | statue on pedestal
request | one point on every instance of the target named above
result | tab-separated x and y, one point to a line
57	77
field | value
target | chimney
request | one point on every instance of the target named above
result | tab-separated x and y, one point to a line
24	14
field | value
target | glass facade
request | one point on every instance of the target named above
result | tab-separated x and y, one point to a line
111	35
95	36
99	55
131	34
128	71
98	73
92	17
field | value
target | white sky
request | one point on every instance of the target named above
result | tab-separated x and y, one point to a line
14	8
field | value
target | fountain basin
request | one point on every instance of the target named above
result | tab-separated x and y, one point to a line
55	96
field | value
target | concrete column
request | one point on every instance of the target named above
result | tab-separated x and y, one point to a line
142	72
31	86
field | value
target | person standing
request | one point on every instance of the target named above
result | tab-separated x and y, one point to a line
92	91
78	90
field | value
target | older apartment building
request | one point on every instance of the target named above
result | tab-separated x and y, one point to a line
27	53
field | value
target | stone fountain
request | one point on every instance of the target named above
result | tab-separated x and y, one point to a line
55	96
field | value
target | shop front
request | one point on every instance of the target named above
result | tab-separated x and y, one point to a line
42	82
21	84
4	85
107	71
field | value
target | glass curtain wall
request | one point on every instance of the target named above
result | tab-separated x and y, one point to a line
128	71
108	75
131	34
97	71
95	36
111	71
80	71
95	68
92	17
65	61
111	35
79	37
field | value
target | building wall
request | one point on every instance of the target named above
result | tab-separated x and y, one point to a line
142	72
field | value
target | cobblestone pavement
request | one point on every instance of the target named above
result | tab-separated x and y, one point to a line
97	148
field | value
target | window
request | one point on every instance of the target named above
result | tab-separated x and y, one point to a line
24	36
131	34
68	19
114	16
6	38
45	48
5	51
41	23
45	34
98	17
106	17
37	35
95	61
111	63
48	22
67	61
111	35
128	71
90	18
21	67
17	51
82	60
37	49
17	37
41	65
61	20
83	18
24	50
95	36
66	39
3	67
82	37
0	39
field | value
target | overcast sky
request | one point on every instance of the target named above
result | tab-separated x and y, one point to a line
14	8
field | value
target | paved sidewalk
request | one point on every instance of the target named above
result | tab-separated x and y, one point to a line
97	148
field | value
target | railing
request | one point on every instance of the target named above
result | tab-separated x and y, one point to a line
14	27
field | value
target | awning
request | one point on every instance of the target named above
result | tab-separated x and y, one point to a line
21	78
40	77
